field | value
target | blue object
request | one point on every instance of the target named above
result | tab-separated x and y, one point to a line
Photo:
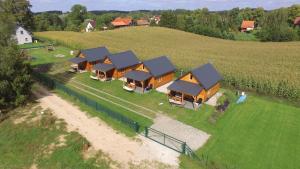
241	99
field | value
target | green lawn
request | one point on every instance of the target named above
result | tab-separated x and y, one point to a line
42	56
151	100
260	133
29	139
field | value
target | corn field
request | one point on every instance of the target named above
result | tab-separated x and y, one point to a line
268	68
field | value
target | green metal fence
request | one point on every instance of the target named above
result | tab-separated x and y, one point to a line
53	84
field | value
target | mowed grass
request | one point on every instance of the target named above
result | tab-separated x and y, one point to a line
29	139
42	56
262	61
257	134
260	133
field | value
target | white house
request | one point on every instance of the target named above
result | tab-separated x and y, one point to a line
22	35
91	25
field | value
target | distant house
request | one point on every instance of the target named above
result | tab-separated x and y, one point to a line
87	58
150	74
195	87
142	22
155	19
22	35
297	21
247	26
116	65
122	22
90	26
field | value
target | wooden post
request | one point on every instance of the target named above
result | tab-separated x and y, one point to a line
143	86
182	98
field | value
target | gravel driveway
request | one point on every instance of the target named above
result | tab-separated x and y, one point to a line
102	137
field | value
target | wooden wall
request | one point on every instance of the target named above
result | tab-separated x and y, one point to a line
189	78
159	81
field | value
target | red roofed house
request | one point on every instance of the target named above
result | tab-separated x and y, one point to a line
247	26
121	22
297	21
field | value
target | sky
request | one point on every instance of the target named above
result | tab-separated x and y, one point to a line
128	5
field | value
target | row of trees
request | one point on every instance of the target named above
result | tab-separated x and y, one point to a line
15	79
275	25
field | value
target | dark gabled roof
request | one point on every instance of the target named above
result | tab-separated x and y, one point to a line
103	67
207	75
77	60
137	75
124	59
186	87
159	66
95	54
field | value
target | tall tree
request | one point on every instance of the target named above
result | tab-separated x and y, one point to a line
15	79
20	10
168	19
276	28
76	17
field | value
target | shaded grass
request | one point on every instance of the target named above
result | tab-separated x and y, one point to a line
27	143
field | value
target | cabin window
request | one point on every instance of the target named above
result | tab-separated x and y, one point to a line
191	77
26	39
143	67
21	32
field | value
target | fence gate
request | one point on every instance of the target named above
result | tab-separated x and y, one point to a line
165	140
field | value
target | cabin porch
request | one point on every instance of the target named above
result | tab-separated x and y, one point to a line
184	100
137	81
78	65
137	86
102	72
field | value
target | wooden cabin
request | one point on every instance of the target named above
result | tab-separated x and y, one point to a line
150	74
195	87
86	59
116	65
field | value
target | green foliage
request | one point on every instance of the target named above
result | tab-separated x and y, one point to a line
15	83
168	19
281	89
276	28
76	17
20	10
48	22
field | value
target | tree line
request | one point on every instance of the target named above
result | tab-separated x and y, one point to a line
275	25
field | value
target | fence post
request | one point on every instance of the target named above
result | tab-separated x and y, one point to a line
183	146
146	131
136	127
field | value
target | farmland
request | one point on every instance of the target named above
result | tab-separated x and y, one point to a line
261	133
261	61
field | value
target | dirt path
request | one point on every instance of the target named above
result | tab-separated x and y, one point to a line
102	137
